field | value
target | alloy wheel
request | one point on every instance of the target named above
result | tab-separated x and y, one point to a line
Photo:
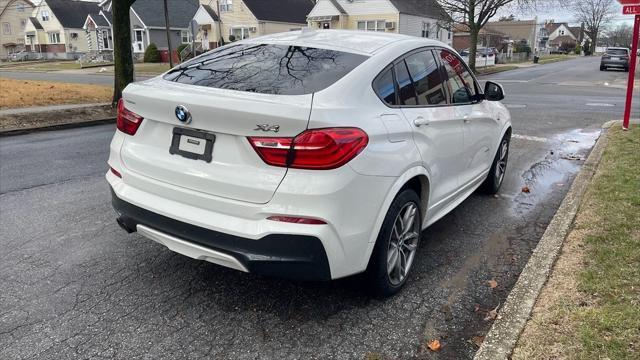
403	243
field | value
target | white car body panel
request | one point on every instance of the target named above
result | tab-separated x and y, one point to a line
237	191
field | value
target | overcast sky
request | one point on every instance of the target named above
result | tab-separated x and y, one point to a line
558	15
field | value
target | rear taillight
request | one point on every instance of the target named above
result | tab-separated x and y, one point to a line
128	122
318	149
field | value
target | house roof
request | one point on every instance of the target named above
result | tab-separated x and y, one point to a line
338	7
551	27
71	13
426	8
288	11
211	12
36	23
562	39
151	12
98	20
108	16
575	30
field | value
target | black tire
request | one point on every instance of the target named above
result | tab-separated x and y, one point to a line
602	68
626	69
494	180
379	281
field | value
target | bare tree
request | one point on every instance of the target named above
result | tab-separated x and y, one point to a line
122	52
619	36
474	14
596	16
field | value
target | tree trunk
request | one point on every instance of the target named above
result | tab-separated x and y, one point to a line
122	52
473	46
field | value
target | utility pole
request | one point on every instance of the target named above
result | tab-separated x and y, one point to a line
166	21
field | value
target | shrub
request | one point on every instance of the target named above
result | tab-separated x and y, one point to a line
151	54
578	49
232	38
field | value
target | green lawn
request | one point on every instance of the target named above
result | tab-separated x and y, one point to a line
611	327
151	68
46	66
546	59
495	69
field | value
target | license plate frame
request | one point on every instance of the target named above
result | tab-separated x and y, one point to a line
208	137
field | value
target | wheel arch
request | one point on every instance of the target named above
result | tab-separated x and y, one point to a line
416	178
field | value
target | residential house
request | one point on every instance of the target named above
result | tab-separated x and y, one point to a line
148	23
517	31
564	37
222	20
14	15
55	28
423	18
99	34
487	37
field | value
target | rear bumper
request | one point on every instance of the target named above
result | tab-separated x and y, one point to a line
288	256
615	63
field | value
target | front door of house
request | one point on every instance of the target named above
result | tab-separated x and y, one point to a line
138	42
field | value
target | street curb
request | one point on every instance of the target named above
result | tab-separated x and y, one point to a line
505	331
80	124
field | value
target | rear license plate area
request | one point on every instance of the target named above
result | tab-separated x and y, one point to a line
192	144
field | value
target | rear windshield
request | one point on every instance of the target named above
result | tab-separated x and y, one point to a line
616	51
267	69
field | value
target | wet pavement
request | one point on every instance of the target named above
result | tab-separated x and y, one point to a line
74	285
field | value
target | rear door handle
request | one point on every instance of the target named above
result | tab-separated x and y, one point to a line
420	121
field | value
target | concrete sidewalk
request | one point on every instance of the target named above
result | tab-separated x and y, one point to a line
40	109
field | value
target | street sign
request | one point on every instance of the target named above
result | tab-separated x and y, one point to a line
631	9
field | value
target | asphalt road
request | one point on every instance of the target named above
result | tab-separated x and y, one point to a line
74	285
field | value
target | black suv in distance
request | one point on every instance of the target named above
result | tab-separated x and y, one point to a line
617	57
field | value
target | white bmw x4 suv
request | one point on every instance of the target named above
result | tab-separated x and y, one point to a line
308	155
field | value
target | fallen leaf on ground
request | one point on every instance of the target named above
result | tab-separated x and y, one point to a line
477	308
525	189
492	314
434	345
477	340
492	283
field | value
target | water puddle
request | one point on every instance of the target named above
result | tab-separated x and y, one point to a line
566	154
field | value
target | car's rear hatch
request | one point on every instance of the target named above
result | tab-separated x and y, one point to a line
243	89
235	170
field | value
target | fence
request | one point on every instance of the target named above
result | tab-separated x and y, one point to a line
505	58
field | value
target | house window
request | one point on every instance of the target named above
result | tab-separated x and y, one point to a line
23	23
20	7
372	25
425	29
6	28
239	33
561	32
54	38
45	15
449	35
185	36
74	36
226	5
106	36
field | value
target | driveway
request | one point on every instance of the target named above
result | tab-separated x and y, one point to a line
74	285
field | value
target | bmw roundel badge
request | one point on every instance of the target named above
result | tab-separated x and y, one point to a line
183	114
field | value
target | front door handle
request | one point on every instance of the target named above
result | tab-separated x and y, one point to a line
420	121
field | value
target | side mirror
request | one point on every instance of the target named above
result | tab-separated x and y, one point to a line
493	91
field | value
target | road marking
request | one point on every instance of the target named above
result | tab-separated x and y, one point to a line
506	81
530	138
600	104
515	106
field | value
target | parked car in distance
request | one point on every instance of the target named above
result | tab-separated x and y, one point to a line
310	155
616	57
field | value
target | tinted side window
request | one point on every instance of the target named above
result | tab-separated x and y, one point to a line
462	88
384	86
427	78
407	92
267	68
